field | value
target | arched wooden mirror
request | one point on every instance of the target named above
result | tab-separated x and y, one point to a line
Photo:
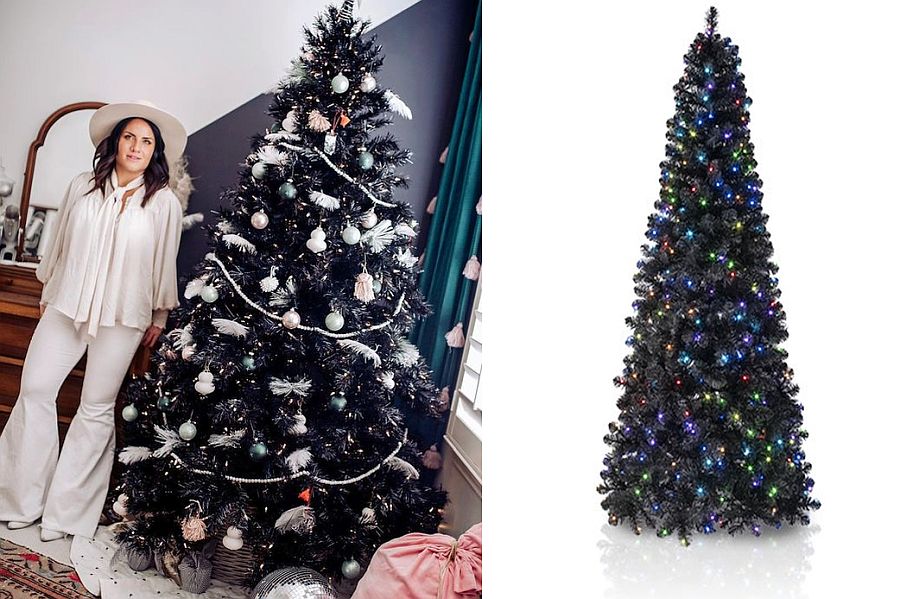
61	150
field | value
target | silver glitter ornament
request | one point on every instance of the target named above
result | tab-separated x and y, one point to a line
294	583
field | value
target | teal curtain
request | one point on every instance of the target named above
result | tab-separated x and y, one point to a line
455	231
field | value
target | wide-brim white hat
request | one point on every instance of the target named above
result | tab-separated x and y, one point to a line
173	132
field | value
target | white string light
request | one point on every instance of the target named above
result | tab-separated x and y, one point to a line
211	256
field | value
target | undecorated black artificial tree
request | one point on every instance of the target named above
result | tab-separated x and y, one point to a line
709	434
271	414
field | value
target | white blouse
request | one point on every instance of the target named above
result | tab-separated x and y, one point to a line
109	266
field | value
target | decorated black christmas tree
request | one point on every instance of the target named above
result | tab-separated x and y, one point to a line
271	416
709	434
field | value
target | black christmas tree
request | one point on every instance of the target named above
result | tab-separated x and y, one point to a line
271	416
709	433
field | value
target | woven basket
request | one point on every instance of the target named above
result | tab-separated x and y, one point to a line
232	567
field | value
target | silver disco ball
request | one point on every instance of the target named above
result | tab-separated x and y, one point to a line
294	583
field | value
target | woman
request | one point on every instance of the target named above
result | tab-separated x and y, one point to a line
109	283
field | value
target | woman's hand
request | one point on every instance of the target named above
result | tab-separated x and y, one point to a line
151	335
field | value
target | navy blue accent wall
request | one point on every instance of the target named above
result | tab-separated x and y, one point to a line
425	50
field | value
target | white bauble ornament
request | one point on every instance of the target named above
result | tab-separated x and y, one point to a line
350	235
289	123
209	294
350	569
376	285
187	430
205	376
259	220
290	319
316	242
129	413
370	219
259	170
340	83
334	321
367	84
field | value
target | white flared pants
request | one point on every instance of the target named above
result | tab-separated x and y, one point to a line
66	489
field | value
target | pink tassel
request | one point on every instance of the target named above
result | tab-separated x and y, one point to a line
443	158
455	337
443	399
472	269
432	205
364	291
431	459
478	205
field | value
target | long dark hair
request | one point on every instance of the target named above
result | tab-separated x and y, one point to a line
156	176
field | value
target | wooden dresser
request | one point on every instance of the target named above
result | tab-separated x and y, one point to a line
20	294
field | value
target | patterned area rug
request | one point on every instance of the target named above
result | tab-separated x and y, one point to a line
25	574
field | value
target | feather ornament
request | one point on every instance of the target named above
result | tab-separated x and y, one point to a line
298	519
283	387
379	237
230	327
133	454
324	200
236	241
227	439
361	349
397	105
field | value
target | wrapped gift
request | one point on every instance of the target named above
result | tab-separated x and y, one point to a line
421	566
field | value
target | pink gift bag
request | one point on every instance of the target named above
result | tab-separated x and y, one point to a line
420	566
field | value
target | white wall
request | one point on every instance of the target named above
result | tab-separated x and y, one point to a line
198	59
823	77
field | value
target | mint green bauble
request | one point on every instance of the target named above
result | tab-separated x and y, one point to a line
187	430
334	321
287	191
340	83
258	451
209	294
338	403
129	413
366	161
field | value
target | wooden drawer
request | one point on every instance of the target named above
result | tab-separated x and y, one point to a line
11	378
16	280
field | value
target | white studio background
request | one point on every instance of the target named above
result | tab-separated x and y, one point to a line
577	98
